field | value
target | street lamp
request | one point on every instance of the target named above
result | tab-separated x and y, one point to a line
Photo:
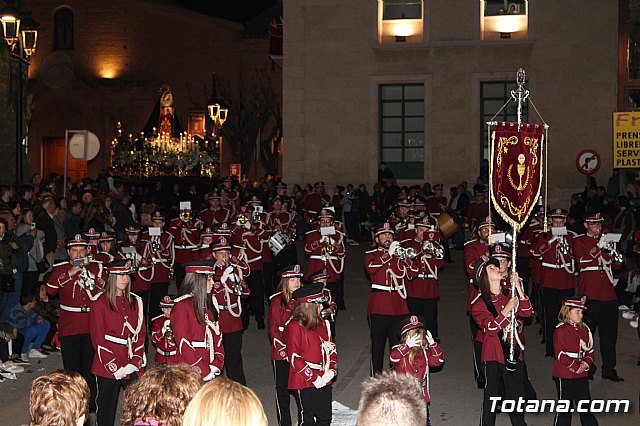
20	32
217	107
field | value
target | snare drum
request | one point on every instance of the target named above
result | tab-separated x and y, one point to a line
277	242
447	226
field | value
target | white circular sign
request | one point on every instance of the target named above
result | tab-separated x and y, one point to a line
77	148
588	161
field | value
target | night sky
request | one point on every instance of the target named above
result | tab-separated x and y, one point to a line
233	10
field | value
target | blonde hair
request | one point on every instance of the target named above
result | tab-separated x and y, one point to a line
60	398
225	402
563	316
162	393
419	331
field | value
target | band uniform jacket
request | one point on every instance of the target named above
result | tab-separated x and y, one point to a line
186	237
278	317
424	358
535	264
387	275
166	350
491	326
311	353
103	257
161	260
313	204
199	345
284	220
473	250
572	344
436	205
595	266
476	213
266	232
423	273
140	280
229	305
75	299
248	242
406	233
118	336
212	217
319	257
557	268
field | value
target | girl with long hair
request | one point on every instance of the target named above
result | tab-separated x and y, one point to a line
194	320
312	354
573	346
118	333
416	352
280	306
491	310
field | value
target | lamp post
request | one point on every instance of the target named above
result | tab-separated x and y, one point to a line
218	110
20	32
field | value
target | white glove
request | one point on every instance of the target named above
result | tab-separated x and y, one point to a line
226	274
319	383
120	373
430	340
413	341
213	372
328	376
393	247
130	368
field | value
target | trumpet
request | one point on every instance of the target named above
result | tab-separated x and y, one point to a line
155	244
168	334
255	216
330	248
406	253
436	251
243	219
563	245
185	215
87	278
610	247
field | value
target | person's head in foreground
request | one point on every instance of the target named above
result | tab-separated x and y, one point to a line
391	399
161	394
225	402
60	398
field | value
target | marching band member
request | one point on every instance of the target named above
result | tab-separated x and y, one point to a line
479	209
535	228
229	195
409	232
185	230
326	252
106	248
574	354
203	250
416	352
329	307
312	356
78	282
595	280
140	284
398	218
228	287
118	333
162	333
194	320
436	203
280	306
554	252
474	250
215	214
314	202
159	250
283	220
248	244
263	221
491	310
423	290
93	240
387	304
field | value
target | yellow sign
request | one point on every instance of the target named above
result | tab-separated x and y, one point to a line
626	140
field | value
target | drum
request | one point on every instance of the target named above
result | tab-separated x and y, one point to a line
278	241
447	226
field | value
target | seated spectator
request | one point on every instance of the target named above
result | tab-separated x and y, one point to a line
47	309
161	395
60	398
225	402
391	399
32	327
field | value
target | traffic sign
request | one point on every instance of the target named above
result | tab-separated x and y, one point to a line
588	161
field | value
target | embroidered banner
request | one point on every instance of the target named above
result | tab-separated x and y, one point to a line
516	170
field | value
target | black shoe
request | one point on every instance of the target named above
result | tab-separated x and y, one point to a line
260	324
613	377
19	361
448	261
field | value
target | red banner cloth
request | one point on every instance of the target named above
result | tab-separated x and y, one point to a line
516	170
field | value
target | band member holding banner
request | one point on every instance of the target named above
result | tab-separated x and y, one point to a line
387	267
280	306
553	248
595	256
491	311
228	287
118	333
574	354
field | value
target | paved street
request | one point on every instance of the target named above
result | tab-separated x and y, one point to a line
455	398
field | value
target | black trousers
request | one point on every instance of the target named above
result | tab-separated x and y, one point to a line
522	266
179	272
157	292
382	328
573	390
334	289
256	299
478	368
603	315
283	394
428	308
340	295
268	270
233	356
513	382
77	355
108	391
316	406
551	298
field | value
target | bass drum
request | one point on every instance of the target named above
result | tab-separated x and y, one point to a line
447	226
